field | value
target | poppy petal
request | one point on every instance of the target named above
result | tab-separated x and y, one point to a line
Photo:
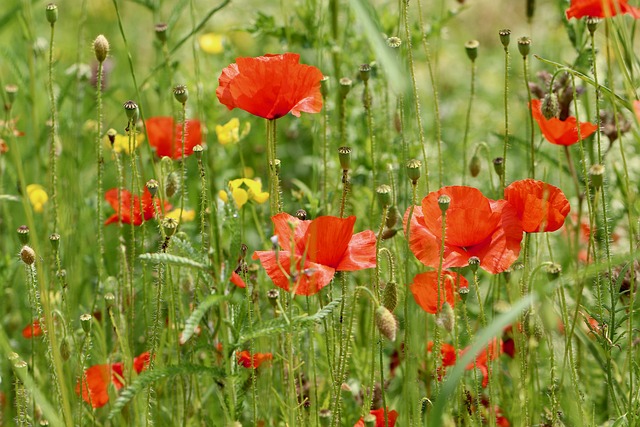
540	206
360	253
425	289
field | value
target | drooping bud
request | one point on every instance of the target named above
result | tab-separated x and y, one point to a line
384	195
181	94
28	255
498	165
344	154
52	13
23	234
161	32
596	174
386	323
443	202
390	296
472	49
475	166
131	108
413	170
505	37
101	48
550	107
524	46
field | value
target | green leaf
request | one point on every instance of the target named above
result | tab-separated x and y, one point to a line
196	316
157	258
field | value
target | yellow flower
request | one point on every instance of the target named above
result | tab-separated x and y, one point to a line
243	190
229	133
37	196
211	43
121	142
188	215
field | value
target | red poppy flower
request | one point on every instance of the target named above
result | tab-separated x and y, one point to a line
392	416
540	206
131	207
237	280
320	248
95	383
600	8
447	352
271	86
560	132
247	360
32	330
491	352
166	136
636	108
425	289
476	226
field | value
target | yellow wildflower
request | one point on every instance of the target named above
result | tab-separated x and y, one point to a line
229	133
121	142
243	190
211	43
188	215
37	196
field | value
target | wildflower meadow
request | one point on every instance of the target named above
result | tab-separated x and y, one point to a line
363	213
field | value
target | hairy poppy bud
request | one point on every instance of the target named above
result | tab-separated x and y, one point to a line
393	215
65	349
173	184
472	49
101	48
446	317
550	107
390	296
52	13
23	234
389	233
181	94
28	255
386	323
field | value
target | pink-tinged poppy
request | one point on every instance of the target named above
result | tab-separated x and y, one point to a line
392	416
318	249
96	380
165	136
475	226
271	86
131	213
425	289
32	330
600	9
254	361
560	132
540	206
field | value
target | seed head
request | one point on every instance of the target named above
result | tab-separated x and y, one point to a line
472	49
181	93
52	13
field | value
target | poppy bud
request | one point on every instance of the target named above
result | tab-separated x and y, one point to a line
325	417
161	32
131	108
531	8
550	107
384	195
152	186
390	296
505	37
52	13
111	134
85	322
365	71
596	173
23	234
173	184
524	46
498	165
181	94
344	154
386	323
198	149
413	170
474	263
55	241
324	86
301	214
273	295
169	225
474	166
10	91
592	24
369	420
444	201
65	349
345	86
101	48
446	317
553	271
389	233
28	255
392	216
394	42
472	49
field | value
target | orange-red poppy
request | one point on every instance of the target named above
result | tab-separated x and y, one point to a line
32	330
540	206
248	360
425	289
392	416
491	352
318	249
600	8
95	382
475	226
271	86
236	279
447	352
131	213
560	132
166	136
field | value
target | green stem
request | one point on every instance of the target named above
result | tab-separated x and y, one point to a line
465	164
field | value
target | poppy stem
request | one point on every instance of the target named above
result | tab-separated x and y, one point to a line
506	120
52	144
468	123
273	166
532	170
183	172
100	166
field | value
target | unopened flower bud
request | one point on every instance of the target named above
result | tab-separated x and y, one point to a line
52	13
550	107
23	234
531	8
413	170
498	165
181	94
386	323
345	86
131	108
390	296
173	184
384	195
446	317
472	49
474	263
344	154
85	322
443	202
152	186
505	37
553	271
28	255
161	32
596	173
65	349
101	48
475	166
524	46
393	215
